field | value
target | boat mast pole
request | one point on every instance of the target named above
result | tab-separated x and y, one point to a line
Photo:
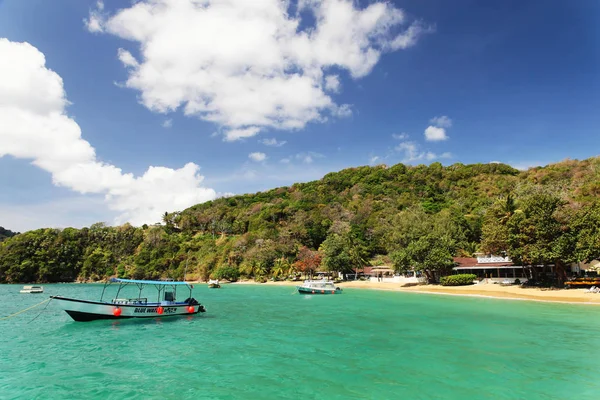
103	289
121	286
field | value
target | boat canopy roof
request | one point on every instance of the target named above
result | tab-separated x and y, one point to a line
169	283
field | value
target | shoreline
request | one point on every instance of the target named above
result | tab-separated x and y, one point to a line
492	291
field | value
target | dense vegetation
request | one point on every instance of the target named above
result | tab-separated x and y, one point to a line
458	280
409	217
5	234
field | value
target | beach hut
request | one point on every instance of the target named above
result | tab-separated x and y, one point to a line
381	272
490	268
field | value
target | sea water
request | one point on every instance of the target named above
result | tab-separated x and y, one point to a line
269	342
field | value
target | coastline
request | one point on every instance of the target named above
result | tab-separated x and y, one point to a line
568	296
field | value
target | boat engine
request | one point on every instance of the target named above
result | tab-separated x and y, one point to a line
191	301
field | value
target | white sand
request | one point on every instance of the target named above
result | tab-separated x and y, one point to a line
483	290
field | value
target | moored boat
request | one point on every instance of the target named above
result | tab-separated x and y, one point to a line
136	307
318	287
214	284
32	289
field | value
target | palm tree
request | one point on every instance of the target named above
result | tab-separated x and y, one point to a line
281	267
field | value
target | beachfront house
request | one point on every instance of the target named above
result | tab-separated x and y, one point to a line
383	273
490	268
585	269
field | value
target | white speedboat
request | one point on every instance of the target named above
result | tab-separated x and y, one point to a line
214	284
138	307
32	289
318	287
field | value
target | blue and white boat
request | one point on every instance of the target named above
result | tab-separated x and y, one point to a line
32	289
138	307
322	286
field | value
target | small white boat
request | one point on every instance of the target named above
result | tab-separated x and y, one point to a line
318	287
138	307
214	284
32	289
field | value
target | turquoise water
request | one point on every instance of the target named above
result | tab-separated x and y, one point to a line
267	342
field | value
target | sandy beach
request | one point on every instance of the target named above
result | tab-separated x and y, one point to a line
578	296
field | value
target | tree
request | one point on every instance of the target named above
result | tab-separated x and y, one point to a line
307	261
584	225
537	235
373	210
495	230
430	254
98	264
5	233
343	252
281	267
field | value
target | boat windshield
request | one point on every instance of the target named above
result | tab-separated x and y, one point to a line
319	284
166	291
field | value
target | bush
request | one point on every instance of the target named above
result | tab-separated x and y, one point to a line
458	280
226	272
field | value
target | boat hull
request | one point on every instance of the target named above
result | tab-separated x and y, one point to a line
308	290
86	310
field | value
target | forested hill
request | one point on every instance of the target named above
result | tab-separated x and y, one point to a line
411	217
5	233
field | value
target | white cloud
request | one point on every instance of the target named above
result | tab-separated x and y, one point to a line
167	123
442	122
127	58
96	19
247	65
272	142
525	165
343	111
308	157
257	156
411	153
400	136
304	158
409	149
435	134
332	83
237	134
373	160
409	37
35	126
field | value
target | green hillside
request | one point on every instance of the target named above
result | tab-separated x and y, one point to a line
5	233
414	217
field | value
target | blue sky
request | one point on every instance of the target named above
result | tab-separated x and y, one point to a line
516	80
